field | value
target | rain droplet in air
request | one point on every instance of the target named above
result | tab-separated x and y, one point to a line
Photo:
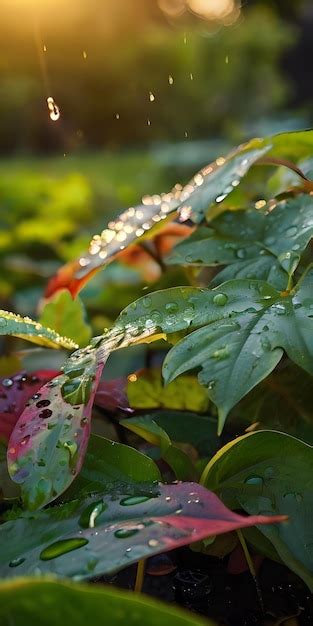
170	79
151	96
54	110
84	54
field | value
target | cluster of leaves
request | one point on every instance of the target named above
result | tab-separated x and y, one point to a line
241	338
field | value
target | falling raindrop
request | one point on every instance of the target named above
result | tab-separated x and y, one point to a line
84	54
170	80
151	96
54	110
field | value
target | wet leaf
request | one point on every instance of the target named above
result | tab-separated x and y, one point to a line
15	391
244	343
26	328
33	601
252	243
67	317
269	473
107	463
106	533
49	441
209	186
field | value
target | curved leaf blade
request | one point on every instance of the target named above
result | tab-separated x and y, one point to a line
269	472
122	529
26	328
33	601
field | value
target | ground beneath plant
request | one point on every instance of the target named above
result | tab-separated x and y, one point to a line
203	584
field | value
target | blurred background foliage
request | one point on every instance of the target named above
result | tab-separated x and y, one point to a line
148	92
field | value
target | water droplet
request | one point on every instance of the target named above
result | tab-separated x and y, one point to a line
16	562
124	533
280	309
172	307
131	500
54	110
71	446
220	354
45	414
220	299
266	344
241	253
153	543
146	301
291	231
254	480
62	547
42	403
7	382
90	513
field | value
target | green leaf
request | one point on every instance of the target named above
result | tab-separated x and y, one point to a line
268	473
178	460
46	602
107	462
183	427
67	317
216	181
149	392
236	353
252	243
26	328
293	145
104	533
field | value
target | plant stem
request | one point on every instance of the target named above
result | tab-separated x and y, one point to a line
140	575
251	567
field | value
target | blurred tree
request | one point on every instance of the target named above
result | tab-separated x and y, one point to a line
121	73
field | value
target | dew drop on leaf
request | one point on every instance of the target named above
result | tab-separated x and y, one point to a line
62	547
131	500
124	533
254	480
220	299
16	562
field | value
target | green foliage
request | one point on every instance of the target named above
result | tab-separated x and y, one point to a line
67	317
245	333
264	473
33	601
26	328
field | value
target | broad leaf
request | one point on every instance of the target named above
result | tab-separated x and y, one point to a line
216	181
49	441
26	328
183	427
146	390
109	532
235	354
268	473
47	602
252	243
176	458
107	463
67	317
209	186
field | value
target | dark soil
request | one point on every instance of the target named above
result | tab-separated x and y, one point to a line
202	584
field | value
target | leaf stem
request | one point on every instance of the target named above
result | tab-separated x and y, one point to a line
141	565
251	567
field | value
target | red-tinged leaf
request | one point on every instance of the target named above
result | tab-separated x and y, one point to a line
15	391
111	395
49	442
109	532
